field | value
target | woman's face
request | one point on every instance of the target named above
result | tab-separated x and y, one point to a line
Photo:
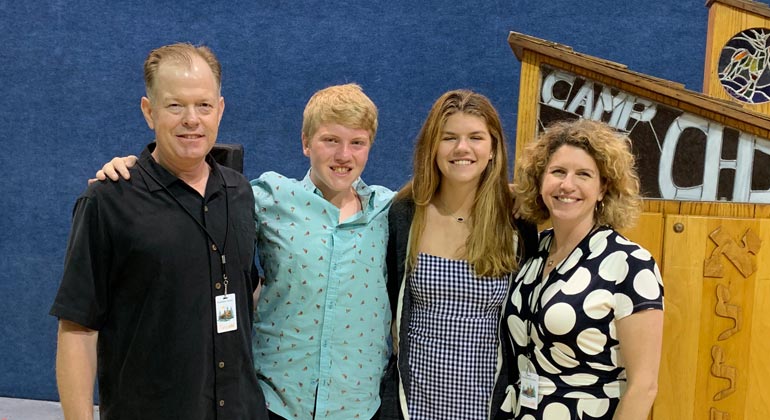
571	186
464	150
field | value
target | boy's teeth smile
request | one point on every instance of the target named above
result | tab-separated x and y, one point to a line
341	170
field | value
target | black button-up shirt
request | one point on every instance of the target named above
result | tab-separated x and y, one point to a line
142	271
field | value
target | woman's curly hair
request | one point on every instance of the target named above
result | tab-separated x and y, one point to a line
621	204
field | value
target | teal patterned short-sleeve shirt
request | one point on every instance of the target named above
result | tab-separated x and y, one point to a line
323	318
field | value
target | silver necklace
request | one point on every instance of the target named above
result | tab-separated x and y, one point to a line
458	219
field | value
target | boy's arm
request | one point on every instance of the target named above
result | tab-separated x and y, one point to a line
115	169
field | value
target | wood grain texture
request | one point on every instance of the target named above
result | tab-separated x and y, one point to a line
757	396
748	6
682	280
529	95
725	386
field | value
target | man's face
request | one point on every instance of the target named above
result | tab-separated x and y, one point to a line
185	111
338	155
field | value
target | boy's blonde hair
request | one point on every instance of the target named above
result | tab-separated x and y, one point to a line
346	105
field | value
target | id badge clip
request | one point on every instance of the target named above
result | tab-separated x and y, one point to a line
528	389
227	316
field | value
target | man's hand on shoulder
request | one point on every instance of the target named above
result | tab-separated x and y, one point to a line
115	169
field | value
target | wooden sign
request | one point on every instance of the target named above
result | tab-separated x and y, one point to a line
689	147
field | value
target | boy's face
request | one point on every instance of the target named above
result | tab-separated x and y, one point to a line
338	155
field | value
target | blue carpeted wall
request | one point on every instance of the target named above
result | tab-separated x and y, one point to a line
71	80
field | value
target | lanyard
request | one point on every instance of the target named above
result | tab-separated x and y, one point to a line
220	249
534	308
535	305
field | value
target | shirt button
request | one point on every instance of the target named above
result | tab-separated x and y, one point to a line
213	247
221	403
206	209
221	365
217	285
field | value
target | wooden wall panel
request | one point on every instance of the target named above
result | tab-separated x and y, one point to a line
648	233
758	397
717	209
726	314
529	95
716	340
683	288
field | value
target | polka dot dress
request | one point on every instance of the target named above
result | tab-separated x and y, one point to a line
572	342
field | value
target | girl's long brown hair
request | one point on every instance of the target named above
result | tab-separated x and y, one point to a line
491	245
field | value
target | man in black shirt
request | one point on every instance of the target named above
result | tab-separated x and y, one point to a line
157	287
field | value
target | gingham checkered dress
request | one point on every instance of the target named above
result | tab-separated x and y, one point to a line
453	339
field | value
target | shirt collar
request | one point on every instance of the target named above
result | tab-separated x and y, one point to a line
161	177
364	191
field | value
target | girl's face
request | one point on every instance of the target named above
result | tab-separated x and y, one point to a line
465	149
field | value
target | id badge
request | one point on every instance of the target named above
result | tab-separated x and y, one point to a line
226	314
528	384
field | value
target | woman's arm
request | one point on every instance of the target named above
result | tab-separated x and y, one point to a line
641	337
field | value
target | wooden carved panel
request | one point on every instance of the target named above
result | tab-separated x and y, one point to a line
723	371
738	255
715	414
728	310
